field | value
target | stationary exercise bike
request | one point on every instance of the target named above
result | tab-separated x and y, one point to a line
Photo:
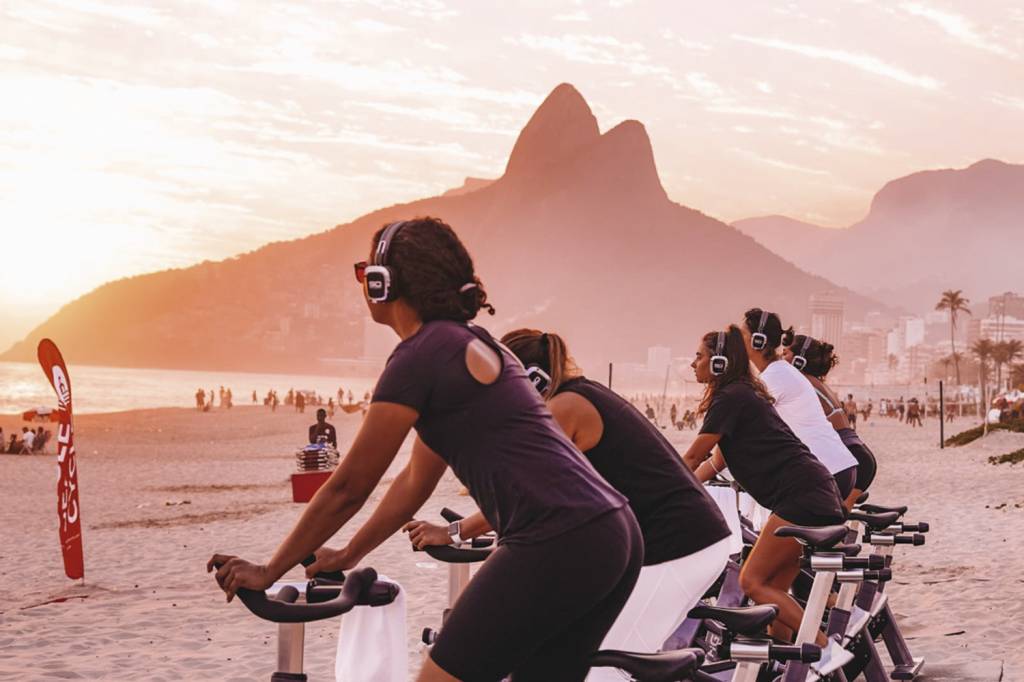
328	595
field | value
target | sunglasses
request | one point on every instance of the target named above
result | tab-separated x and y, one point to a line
360	269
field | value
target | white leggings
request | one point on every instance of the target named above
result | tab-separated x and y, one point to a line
663	595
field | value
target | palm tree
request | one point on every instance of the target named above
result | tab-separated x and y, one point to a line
1017	374
955	304
982	350
1004	353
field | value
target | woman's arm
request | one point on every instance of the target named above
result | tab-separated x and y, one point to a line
711	467
700	449
425	534
404	497
383	431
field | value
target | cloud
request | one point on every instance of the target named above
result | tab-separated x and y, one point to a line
374	26
704	85
1008	101
785	165
858	60
957	27
578	15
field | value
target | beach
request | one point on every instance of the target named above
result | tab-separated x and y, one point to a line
163	489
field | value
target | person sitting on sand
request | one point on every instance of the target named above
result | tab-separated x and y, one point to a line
686	538
795	400
322	428
819	359
541	605
14	447
769	461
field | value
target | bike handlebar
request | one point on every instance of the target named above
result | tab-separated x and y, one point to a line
361	587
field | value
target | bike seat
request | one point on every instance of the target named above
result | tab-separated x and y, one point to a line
815	538
875	521
748	621
878	509
847	549
665	666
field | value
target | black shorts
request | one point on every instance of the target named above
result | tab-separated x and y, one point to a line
816	507
867	466
845	481
540	611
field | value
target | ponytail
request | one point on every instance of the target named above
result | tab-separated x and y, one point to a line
772	330
547	351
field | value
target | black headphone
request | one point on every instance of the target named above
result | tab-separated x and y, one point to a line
719	363
759	340
537	375
380	278
799	359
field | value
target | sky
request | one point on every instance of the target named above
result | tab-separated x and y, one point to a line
139	137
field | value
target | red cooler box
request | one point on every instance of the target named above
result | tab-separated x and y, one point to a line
306	483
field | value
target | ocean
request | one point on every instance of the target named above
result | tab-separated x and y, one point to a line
23	386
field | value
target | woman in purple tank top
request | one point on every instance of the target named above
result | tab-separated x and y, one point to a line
569	551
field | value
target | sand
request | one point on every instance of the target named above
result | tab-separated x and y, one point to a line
164	489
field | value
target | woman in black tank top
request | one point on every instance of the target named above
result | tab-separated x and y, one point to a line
818	360
686	537
769	461
569	553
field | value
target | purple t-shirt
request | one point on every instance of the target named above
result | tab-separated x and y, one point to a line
528	479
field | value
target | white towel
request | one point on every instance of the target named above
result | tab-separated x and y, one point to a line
725	498
371	643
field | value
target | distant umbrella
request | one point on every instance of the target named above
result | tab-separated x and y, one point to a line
43	414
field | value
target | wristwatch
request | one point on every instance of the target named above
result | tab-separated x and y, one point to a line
454	532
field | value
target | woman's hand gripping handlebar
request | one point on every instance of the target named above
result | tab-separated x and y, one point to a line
325	598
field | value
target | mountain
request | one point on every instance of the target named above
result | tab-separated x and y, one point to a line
924	233
577	236
794	240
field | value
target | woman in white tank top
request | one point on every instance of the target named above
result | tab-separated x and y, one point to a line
795	399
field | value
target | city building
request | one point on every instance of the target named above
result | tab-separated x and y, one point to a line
1009	304
995	329
826	309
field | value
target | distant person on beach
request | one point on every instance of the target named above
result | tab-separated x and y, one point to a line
686	538
795	399
868	409
850	407
914	413
28	437
673	413
200	399
541	604
322	428
14	447
649	412
255	400
300	401
819	359
901	408
769	461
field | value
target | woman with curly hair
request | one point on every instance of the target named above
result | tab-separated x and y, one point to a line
815	359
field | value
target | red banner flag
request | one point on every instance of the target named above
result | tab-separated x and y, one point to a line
68	510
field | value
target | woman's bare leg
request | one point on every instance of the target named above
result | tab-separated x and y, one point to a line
771	560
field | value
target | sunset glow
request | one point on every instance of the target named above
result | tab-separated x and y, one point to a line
138	138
